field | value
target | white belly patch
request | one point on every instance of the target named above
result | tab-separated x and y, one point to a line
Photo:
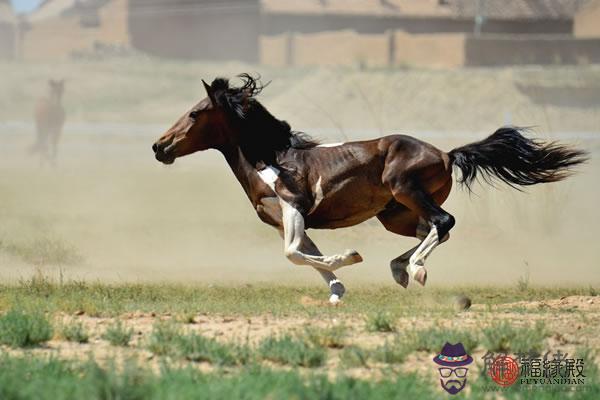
331	144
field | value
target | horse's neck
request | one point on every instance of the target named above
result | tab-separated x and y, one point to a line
244	172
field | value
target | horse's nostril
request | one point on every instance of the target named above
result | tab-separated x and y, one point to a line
155	147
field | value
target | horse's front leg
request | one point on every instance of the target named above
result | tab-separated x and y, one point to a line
335	285
270	211
295	245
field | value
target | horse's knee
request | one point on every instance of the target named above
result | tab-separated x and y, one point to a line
294	256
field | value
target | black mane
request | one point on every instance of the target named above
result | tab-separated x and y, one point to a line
262	136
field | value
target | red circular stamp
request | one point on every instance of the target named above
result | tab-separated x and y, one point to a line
504	371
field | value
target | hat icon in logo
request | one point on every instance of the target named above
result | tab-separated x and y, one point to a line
453	374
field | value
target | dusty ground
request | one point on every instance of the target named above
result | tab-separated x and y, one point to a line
571	321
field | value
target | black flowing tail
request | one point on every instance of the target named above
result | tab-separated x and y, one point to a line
509	156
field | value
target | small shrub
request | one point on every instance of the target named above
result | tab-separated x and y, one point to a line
380	322
21	329
503	337
332	337
118	334
75	332
289	350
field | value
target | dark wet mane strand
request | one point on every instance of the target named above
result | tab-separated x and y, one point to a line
262	135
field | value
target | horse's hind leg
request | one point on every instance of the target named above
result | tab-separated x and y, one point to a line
420	216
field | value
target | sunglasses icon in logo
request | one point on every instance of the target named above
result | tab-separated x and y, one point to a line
459	372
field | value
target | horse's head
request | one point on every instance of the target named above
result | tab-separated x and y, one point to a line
204	126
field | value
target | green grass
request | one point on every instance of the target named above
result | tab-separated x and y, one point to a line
167	339
118	334
75	332
333	337
393	351
432	339
504	337
51	379
293	351
19	328
380	322
164	338
97	299
354	356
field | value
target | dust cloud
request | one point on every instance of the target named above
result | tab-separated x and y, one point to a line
108	211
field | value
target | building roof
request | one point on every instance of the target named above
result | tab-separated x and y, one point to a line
358	7
458	9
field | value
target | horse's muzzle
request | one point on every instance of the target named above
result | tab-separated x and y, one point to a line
162	153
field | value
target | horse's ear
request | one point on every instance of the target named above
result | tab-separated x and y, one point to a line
210	93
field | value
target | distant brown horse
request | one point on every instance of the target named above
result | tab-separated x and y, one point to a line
295	184
49	119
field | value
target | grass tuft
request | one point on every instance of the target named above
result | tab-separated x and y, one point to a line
22	329
167	339
380	322
118	334
289	350
393	351
433	339
75	332
503	337
333	337
354	356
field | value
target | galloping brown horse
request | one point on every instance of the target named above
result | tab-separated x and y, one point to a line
49	119
295	183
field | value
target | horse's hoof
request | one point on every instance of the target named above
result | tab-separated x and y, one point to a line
334	300
353	256
401	277
421	276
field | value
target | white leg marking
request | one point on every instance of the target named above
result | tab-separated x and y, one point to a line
293	236
318	196
417	260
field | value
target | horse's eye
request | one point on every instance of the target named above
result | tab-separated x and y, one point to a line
194	114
